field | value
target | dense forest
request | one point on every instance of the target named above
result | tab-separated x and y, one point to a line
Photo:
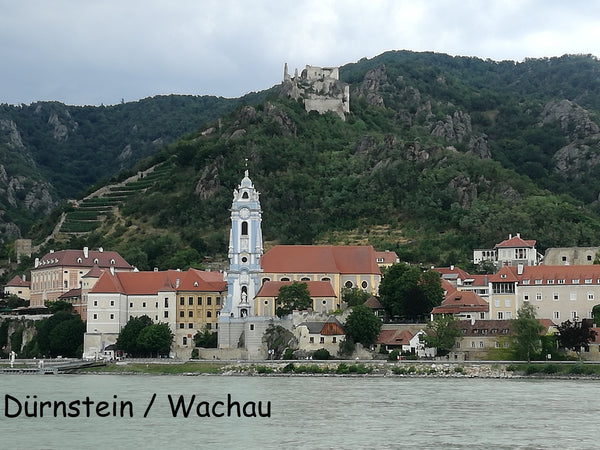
438	156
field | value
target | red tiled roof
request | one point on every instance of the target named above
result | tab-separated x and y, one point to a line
94	272
461	301
17	281
77	258
516	242
320	259
394	337
140	283
373	303
452	271
447	286
72	293
387	257
316	288
505	275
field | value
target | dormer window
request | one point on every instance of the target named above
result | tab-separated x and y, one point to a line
112	261
95	260
79	260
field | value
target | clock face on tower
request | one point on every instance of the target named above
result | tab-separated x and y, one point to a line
244	213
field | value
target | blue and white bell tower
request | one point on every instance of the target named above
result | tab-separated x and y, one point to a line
245	251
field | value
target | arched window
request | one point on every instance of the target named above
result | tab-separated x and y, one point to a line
364	284
208	314
244	228
348	284
325	279
285	279
305	279
264	280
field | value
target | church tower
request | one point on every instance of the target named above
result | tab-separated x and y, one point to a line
245	251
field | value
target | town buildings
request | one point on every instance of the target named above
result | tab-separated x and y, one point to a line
59	272
18	286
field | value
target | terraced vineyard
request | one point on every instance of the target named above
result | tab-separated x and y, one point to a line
90	212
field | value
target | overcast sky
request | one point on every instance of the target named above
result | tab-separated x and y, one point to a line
91	52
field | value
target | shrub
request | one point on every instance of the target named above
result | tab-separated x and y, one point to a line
393	356
289	368
263	369
321	354
342	368
288	354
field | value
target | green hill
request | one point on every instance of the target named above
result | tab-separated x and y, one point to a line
438	156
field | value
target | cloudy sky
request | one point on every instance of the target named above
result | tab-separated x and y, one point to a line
84	52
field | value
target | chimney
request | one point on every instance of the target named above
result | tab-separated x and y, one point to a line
100	249
176	283
510	236
37	262
24	277
112	270
86	252
519	269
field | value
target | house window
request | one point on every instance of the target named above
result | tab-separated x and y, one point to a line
590	296
251	327
143	304
497	302
481	344
349	284
500	315
572	296
95	316
508	315
190	313
218	301
112	316
181	313
244	228
482	315
166	302
507	302
311	340
181	325
334	340
550	281
538	281
131	304
285	279
191	301
208	314
199	301
191	325
472	344
182	301
112	303
208	301
575	281
304	279
457	344
364	284
95	302
574	315
556	315
561	281
166	315
325	279
184	341
66	284
538	296
525	297
322	340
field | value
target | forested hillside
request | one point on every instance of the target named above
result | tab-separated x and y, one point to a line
438	156
50	151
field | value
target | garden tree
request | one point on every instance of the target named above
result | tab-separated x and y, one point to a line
407	292
206	338
61	334
441	333
575	335
292	297
596	314
526	342
58	305
128	337
354	296
155	339
362	326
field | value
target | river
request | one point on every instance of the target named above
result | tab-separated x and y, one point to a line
145	411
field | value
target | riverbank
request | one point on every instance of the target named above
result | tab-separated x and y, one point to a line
354	368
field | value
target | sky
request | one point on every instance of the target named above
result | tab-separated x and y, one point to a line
93	52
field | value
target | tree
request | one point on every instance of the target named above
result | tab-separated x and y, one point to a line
526	339
354	296
60	334
596	314
292	297
362	326
441	333
155	339
407	292
206	338
575	335
128	337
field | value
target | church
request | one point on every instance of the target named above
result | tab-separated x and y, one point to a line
248	309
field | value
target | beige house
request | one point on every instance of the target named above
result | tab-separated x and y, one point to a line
341	266
510	252
316	335
323	298
58	272
186	301
559	293
18	286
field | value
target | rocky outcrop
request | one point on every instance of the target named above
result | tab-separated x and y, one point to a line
209	182
279	116
478	146
60	130
573	119
13	137
454	127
